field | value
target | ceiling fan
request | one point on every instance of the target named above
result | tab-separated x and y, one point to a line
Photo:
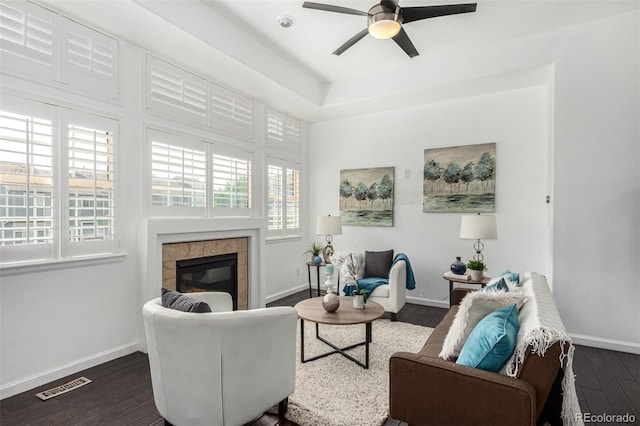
385	20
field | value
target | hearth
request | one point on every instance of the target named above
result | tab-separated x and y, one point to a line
210	273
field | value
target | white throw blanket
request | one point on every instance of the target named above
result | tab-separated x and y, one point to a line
541	327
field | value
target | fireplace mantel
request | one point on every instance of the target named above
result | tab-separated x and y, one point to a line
154	232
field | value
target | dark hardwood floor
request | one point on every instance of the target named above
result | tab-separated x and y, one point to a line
120	392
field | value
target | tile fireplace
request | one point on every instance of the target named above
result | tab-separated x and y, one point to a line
211	265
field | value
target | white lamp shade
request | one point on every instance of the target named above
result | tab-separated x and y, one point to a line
478	227
329	225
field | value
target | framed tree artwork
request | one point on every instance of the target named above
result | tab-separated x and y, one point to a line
460	179
366	196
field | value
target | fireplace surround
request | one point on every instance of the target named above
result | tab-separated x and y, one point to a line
195	252
156	233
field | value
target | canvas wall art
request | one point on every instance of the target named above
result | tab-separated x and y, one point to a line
366	196
460	179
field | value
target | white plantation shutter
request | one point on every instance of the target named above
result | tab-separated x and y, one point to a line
57	182
178	173
230	112
275	195
28	44
90	184
90	59
292	141
176	93
231	185
274	131
292	213
283	199
27	184
281	131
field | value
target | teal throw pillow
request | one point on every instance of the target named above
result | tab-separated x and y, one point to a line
514	277
492	341
499	285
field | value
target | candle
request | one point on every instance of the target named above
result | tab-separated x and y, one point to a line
330	268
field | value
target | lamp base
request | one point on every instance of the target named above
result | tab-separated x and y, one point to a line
478	246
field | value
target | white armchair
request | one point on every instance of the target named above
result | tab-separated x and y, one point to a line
391	296
223	367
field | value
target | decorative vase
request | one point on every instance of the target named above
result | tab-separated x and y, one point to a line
358	301
317	260
458	267
476	275
330	302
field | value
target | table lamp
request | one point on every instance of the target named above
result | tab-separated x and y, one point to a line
328	226
477	227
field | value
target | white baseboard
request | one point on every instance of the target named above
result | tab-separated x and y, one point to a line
428	302
282	294
31	382
598	342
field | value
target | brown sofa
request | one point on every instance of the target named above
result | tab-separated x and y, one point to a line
427	390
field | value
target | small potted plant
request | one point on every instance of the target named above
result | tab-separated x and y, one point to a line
359	295
349	274
314	250
476	269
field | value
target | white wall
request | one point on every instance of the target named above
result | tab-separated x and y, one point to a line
588	117
597	182
59	318
515	120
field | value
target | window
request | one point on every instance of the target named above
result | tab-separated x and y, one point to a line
281	131
231	184
90	183
178	173
49	47
43	214
26	179
178	94
283	199
175	92
230	112
181	176
28	40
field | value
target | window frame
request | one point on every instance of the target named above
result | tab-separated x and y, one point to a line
209	148
61	248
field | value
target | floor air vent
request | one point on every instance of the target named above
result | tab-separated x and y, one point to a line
59	390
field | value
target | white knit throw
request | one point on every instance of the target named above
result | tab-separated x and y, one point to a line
541	327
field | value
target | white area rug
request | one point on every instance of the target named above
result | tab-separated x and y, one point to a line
334	391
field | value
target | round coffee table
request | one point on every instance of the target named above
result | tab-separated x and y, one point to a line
312	310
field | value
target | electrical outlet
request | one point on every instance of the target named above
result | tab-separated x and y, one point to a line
297	272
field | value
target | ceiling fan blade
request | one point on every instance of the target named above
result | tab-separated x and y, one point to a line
353	40
332	8
410	14
403	40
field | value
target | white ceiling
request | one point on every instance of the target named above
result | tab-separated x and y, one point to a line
316	34
241	44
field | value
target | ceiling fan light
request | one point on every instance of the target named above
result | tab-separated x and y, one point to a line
384	23
384	29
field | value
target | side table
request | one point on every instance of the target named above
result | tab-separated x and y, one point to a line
448	276
318	266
